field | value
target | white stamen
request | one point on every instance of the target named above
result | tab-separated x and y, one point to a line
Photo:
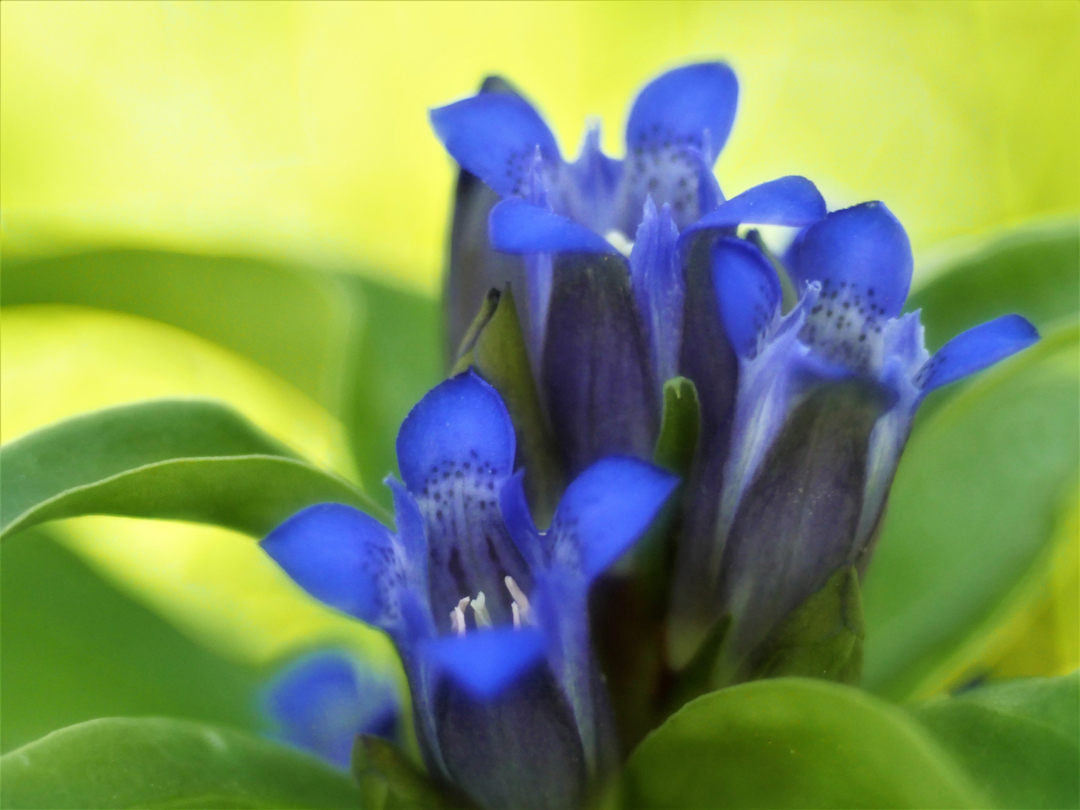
480	613
457	617
619	241
520	607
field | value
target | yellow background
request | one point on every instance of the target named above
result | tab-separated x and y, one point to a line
299	130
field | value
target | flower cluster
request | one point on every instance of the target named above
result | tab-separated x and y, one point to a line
634	273
609	309
629	273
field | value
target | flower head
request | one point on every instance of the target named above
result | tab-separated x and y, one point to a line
603	243
824	403
488	613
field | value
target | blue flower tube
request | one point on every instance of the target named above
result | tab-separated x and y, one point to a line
824	403
488	613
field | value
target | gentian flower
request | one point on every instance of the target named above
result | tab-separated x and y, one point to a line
824	403
488	614
323	700
605	244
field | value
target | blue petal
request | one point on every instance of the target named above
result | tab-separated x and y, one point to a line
976	349
674	174
455	450
707	356
591	184
461	423
747	291
537	281
518	518
517	226
322	701
495	136
792	201
904	353
485	662
343	558
682	104
659	288
605	510
860	251
410	525
790	254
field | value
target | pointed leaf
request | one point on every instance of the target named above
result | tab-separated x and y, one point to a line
679	426
468	340
182	459
499	356
155	762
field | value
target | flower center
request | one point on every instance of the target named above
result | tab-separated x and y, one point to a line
520	608
619	241
845	325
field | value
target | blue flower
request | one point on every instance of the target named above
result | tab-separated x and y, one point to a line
824	402
323	700
604	244
488	613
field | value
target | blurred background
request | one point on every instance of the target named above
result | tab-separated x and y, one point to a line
245	201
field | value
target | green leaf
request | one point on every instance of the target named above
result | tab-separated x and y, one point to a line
294	323
166	763
968	531
1019	739
395	357
323	332
1033	271
183	459
679	426
76	648
495	347
792	742
214	584
822	638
